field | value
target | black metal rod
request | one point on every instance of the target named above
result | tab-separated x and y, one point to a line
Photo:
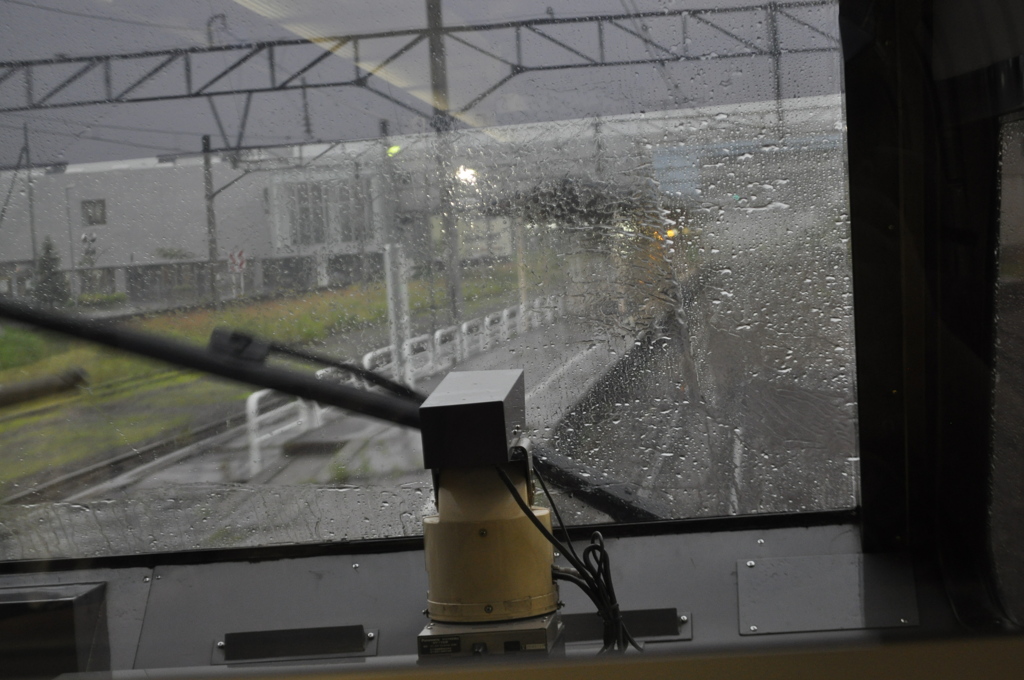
778	10
730	34
644	39
408	46
229	69
159	67
11	70
338	44
391	409
68	81
537	31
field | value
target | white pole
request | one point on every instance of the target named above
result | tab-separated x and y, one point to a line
252	428
396	278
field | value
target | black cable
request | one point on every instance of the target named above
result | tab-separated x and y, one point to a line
593	572
95	16
510	485
579	582
596	547
590	588
240	345
569	555
369	376
558	515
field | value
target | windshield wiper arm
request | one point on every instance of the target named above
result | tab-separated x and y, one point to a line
616	499
251	348
398	410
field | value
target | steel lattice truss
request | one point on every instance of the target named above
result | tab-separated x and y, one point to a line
594	41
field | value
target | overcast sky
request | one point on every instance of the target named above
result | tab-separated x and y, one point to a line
31	29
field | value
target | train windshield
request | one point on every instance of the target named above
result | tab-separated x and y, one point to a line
642	204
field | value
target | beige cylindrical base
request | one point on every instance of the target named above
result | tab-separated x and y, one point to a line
486	561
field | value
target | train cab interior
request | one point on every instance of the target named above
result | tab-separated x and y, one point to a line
625	338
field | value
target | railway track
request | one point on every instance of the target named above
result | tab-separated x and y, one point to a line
76	481
103	390
492	329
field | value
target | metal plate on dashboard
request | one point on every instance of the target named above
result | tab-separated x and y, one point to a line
648	625
825	592
330	642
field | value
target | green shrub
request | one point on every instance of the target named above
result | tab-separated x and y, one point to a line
51	286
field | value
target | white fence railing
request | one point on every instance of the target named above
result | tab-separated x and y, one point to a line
428	355
425	356
300	415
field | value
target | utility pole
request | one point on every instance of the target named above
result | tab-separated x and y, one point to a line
442	124
306	122
396	270
771	15
211	221
72	267
31	201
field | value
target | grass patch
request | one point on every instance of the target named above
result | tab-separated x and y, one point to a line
101	364
115	414
309	317
299	319
92	427
20	347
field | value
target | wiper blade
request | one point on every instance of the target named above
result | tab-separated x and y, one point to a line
398	410
245	346
616	499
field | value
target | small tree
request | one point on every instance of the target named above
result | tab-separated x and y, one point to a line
51	284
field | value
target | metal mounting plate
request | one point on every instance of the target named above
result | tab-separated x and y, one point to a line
825	592
646	625
333	642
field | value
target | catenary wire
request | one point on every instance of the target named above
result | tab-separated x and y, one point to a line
93	16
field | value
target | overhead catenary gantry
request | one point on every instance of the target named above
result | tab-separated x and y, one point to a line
598	41
652	38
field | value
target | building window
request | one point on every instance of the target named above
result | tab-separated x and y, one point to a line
94	211
307	207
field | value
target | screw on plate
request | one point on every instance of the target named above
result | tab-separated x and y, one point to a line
684	618
753	629
488	609
220	644
750	563
145	579
371	635
760	541
483	532
904	621
355	566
